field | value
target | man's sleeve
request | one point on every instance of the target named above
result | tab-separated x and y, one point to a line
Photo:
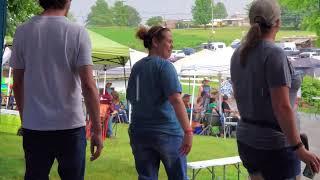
169	80
84	55
277	70
17	59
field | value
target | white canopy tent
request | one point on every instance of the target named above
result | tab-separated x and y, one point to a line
205	63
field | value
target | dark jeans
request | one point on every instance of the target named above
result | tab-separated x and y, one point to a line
42	147
271	164
149	149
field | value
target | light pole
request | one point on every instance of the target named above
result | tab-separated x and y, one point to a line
212	16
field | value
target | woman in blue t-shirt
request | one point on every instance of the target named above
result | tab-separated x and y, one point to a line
160	129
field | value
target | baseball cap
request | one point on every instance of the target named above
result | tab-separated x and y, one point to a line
186	95
265	12
205	79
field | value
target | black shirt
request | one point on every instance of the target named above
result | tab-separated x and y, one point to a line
224	106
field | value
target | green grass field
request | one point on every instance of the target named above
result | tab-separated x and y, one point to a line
186	37
116	162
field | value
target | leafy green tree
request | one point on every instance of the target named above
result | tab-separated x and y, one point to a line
20	11
310	10
220	11
100	14
124	15
155	21
202	12
291	18
134	18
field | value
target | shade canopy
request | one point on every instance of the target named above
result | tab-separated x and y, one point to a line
206	63
107	52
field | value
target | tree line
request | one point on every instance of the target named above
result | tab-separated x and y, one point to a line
294	14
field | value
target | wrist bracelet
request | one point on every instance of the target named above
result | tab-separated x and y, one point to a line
296	147
188	131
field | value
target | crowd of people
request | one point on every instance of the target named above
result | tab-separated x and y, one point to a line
207	105
49	84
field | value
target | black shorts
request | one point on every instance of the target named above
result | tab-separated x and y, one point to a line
271	164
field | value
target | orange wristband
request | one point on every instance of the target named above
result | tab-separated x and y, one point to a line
189	131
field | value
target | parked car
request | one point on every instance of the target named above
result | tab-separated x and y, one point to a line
218	45
314	55
178	54
236	43
188	51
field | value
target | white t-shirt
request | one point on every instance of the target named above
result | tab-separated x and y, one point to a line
51	49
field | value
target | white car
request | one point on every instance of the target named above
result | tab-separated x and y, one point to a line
218	45
309	55
178	54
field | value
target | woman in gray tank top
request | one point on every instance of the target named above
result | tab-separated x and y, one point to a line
265	87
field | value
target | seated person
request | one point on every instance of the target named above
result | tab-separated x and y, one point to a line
212	107
198	109
225	106
119	108
186	101
106	99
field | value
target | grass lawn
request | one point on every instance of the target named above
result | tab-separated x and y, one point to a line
116	162
186	37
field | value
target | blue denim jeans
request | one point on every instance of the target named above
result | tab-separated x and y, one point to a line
149	149
43	147
109	129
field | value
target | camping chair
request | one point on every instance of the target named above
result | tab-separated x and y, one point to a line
229	124
104	117
211	122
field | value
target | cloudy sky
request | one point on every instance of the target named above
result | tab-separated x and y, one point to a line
169	9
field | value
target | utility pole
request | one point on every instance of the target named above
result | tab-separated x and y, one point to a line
212	17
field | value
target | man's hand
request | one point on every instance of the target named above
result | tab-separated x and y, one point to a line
96	146
186	144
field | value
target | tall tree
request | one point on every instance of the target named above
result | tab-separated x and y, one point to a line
19	12
291	18
134	18
201	11
310	9
100	14
120	16
155	21
125	15
220	11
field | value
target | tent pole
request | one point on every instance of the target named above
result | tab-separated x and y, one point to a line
124	75
8	89
189	85
220	103
105	79
192	100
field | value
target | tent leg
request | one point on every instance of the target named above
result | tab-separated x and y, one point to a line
105	80
192	100
8	89
189	85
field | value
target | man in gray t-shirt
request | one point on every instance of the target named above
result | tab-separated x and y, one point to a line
52	65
